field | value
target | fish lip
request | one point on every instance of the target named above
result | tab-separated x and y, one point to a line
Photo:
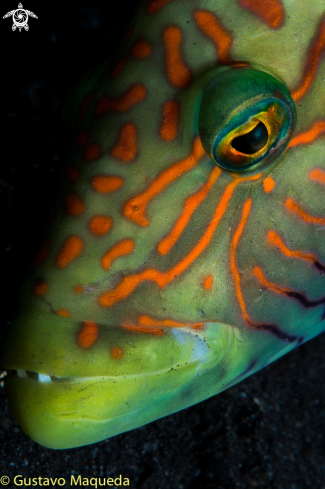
48	377
42	378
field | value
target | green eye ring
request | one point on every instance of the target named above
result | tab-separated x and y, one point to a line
246	120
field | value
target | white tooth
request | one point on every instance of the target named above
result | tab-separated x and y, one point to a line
44	378
22	373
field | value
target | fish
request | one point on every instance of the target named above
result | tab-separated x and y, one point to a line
186	251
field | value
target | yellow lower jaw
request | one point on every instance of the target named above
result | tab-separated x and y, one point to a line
68	414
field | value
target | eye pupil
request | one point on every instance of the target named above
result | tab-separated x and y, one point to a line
251	142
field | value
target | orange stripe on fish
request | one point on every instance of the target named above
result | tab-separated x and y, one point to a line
178	73
126	147
131	97
169	125
124	247
293	207
210	25
233	264
71	249
106	184
135	208
275	239
307	137
258	273
148	321
314	57
191	204
269	11
129	283
143	329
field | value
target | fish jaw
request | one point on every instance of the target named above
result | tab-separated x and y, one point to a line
59	409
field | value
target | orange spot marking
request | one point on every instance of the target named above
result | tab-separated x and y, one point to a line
63	312
118	68
42	254
135	208
268	184
314	57
156	5
169	126
129	283
104	185
258	273
317	175
126	146
92	152
71	248
72	173
131	97
124	247
78	289
233	265
208	282
307	137
140	329
190	206
88	334
84	107
117	352
100	225
74	205
269	11
141	49
209	24
276	240
178	73
292	206
82	138
40	288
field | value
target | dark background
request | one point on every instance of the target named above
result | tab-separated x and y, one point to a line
267	432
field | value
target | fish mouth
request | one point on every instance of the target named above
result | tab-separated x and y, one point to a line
27	374
63	396
40	377
67	412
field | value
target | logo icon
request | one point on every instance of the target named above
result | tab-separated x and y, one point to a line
20	18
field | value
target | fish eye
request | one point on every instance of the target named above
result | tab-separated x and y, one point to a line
246	119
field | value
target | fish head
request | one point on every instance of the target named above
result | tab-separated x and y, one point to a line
186	251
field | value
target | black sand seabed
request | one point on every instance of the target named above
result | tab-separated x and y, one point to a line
266	432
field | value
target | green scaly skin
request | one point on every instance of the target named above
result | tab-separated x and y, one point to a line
201	340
